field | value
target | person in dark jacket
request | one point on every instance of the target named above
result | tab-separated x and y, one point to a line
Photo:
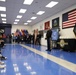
74	30
48	37
38	39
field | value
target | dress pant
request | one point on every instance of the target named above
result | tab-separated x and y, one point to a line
48	43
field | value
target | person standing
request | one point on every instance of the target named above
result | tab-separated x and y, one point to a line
74	30
48	37
34	37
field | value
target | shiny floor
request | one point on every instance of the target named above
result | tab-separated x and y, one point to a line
34	60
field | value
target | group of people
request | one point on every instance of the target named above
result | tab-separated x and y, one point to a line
1	56
36	37
49	36
23	37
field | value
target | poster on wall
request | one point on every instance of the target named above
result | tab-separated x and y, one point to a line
46	25
69	19
41	27
55	23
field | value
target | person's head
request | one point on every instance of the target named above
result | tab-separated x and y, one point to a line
36	30
49	27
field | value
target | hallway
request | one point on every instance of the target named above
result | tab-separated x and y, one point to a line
34	60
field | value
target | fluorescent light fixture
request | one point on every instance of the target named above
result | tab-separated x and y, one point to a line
33	73
3	15
22	11
28	2
51	4
28	67
2	8
19	16
29	21
17	20
33	18
4	22
3	19
3	0
40	12
25	23
16	69
25	64
14	64
18	73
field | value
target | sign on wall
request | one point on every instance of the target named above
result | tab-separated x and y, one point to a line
55	23
46	25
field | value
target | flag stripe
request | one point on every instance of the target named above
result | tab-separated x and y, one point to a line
72	12
72	15
69	25
69	21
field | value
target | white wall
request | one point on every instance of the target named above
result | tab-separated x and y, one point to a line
15	27
65	33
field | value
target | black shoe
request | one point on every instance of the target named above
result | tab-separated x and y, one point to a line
3	58
48	50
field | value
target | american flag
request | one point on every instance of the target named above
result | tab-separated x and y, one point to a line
69	19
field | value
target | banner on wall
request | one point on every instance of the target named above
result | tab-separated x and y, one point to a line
55	23
69	19
46	25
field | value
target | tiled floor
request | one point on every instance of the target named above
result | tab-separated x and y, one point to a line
34	60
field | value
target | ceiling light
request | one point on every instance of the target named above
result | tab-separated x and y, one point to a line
18	73
3	19
3	0
25	23
33	18
33	73
26	64
2	8
3	15
29	21
4	22
16	69
28	2
17	20
28	67
14	64
22	11
51	4
19	16
40	12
